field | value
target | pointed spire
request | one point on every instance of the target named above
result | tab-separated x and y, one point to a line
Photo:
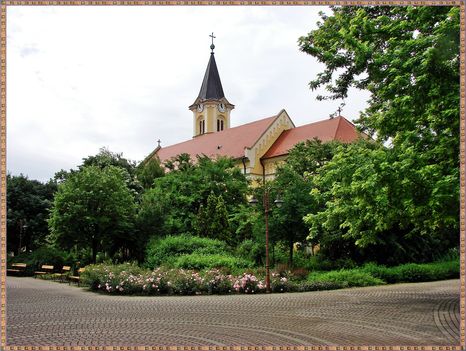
211	85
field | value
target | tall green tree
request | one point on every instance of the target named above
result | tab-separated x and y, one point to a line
106	158
147	172
28	202
377	204
172	205
408	59
212	221
293	183
94	209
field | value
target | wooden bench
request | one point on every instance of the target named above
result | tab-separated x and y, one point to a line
17	268
65	271
76	278
46	269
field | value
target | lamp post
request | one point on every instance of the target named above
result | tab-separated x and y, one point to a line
22	229
278	202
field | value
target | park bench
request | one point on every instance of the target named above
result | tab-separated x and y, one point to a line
76	278
45	269
65	271
17	268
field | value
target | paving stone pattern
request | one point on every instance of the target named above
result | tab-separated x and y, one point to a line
48	313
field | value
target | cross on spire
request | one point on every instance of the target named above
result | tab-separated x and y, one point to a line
337	113
212	46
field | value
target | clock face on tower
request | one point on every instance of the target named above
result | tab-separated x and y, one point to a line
221	107
200	107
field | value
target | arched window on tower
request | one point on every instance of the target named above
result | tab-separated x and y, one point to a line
201	126
220	125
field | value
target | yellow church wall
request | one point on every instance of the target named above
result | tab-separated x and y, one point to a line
272	164
210	113
282	123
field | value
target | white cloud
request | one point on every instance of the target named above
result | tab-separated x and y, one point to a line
79	78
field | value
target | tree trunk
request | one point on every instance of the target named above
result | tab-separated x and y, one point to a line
94	250
290	257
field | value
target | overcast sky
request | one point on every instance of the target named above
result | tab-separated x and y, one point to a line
85	77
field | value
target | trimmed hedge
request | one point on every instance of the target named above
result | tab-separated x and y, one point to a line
346	278
199	261
166	251
412	272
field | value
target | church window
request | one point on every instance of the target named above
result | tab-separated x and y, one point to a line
201	126
219	125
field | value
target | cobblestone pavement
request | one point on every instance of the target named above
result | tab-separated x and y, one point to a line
49	313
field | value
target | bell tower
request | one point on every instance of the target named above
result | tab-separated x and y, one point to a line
211	110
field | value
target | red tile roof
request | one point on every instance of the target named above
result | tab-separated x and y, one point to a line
338	128
230	142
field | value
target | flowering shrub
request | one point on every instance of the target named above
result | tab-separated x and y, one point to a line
186	282
248	284
217	282
130	279
157	283
280	282
108	277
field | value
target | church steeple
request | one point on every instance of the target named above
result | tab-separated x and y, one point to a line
211	87
211	110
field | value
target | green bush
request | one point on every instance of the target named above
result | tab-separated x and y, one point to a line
165	251
412	272
350	278
320	285
445	270
453	254
320	263
389	275
251	250
199	261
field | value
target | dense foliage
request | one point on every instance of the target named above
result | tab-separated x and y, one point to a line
147	172
403	197
293	183
171	206
375	201
28	202
97	204
167	250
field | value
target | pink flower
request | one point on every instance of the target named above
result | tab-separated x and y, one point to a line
236	286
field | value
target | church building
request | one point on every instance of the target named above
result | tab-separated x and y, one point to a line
257	147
